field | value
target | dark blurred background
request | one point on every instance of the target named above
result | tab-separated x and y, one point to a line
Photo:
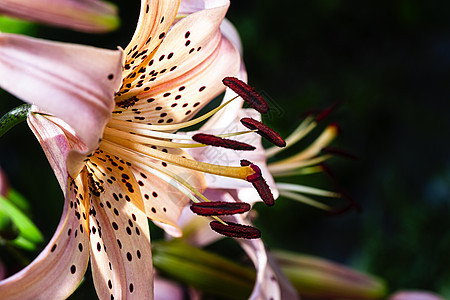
388	64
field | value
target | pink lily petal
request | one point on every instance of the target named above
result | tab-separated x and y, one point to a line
415	295
60	267
185	72
226	116
167	290
163	202
61	79
57	139
155	19
121	257
83	15
192	6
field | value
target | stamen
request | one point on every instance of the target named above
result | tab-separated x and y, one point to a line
321	142
247	93
233	172
300	132
259	183
216	141
264	131
236	230
218	208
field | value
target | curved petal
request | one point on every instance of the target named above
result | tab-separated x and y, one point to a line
63	80
60	267
82	15
155	19
227	115
192	6
185	74
168	290
163	202
57	139
121	257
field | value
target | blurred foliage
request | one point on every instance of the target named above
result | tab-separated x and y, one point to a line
389	64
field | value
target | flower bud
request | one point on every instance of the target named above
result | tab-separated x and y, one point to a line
319	278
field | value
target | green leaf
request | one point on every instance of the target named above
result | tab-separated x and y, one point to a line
8	230
26	227
19	201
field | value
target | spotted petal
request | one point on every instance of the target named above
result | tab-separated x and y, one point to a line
82	15
63	79
163	201
185	73
120	238
60	267
155	19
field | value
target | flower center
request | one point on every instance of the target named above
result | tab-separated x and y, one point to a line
146	146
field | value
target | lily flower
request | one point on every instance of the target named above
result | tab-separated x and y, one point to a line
116	158
85	15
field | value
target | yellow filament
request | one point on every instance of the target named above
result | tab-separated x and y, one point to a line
111	132
224	135
301	171
131	127
301	131
306	190
171	127
145	164
322	141
280	168
233	172
304	199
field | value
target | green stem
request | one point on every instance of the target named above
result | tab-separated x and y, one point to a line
14	117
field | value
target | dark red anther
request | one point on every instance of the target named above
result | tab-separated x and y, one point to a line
247	93
216	141
236	230
263	190
219	208
259	183
324	113
245	163
351	202
264	131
